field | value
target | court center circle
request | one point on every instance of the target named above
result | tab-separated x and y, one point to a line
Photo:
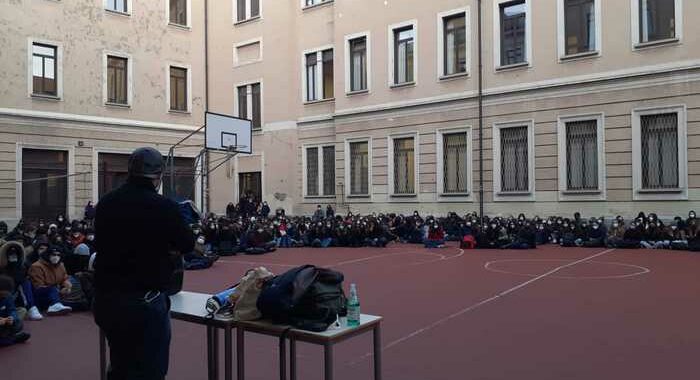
506	266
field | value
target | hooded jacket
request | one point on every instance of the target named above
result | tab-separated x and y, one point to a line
15	270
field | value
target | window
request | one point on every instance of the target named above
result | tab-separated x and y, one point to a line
403	166
453	44
513	30
178	12
580	26
45	186
514	161
318	75
320	171
117	80
358	63
112	172
249	103
117	5
657	20
247	9
311	3
403	55
44	70
184	179
455	163
178	89
359	168
581	157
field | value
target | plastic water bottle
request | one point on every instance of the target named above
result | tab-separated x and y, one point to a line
353	307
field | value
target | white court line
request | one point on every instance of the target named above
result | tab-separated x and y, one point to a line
257	263
479	304
642	270
443	258
385	255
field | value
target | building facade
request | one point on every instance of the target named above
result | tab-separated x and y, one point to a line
588	105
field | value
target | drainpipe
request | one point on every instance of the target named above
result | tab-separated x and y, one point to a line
205	190
481	118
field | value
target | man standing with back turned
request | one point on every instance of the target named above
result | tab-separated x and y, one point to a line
132	276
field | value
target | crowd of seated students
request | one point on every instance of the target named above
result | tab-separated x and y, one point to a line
46	268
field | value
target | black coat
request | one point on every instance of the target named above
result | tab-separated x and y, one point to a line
135	231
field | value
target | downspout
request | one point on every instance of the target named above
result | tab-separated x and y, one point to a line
205	189
480	98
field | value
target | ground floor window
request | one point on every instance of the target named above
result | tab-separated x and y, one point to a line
184	179
45	183
250	184
112	172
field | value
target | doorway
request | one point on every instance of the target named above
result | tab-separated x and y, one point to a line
250	183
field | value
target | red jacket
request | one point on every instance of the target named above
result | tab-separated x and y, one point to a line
438	234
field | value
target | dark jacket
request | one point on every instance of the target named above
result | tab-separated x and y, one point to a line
125	263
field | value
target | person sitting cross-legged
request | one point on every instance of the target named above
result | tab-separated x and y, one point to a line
10	323
50	280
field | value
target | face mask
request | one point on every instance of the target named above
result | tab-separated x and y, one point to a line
55	259
12	258
566	224
615	225
196	232
260	230
674	228
692	216
595	227
76	235
493	226
91	237
200	241
60	219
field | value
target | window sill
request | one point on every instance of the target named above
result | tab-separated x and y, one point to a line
53	98
413	195
246	63
184	28
513	193
117	13
402	85
117	105
179	112
660	191
358	196
316	6
454	195
447	78
658	43
313	102
581	192
515	66
580	56
247	21
319	196
357	92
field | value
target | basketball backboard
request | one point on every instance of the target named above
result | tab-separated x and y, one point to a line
228	134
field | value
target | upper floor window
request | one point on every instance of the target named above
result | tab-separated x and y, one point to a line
454	44
44	68
178	12
318	75
513	32
357	49
247	9
580	26
657	20
117	80
117	5
178	89
403	54
249	103
311	3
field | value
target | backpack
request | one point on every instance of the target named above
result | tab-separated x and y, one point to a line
248	291
468	242
306	297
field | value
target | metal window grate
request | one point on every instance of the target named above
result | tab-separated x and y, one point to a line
359	168
312	171
404	166
582	155
660	151
514	160
328	170
455	168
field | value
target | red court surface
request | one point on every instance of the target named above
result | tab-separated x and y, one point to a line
550	313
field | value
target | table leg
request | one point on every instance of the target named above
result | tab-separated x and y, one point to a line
283	358
212	353
292	359
328	361
103	356
377	353
228	354
240	353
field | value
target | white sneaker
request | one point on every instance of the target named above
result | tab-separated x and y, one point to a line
34	315
58	309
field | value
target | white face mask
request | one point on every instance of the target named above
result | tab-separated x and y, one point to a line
55	259
12	258
200	241
91	237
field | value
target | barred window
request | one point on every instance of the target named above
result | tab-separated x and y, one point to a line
514	160
657	20
404	166
580	26
513	19
328	170
359	168
455	165
582	155
312	171
659	135
117	84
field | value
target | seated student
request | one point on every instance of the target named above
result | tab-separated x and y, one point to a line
12	264
524	237
543	234
50	280
468	231
77	261
616	233
10	323
595	236
678	233
436	237
488	236
322	235
568	234
375	236
260	241
633	236
200	257
658	237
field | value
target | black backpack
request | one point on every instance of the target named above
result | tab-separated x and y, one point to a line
305	297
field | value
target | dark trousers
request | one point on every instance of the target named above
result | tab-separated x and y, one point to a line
137	327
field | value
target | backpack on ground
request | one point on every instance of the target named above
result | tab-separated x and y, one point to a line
305	297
